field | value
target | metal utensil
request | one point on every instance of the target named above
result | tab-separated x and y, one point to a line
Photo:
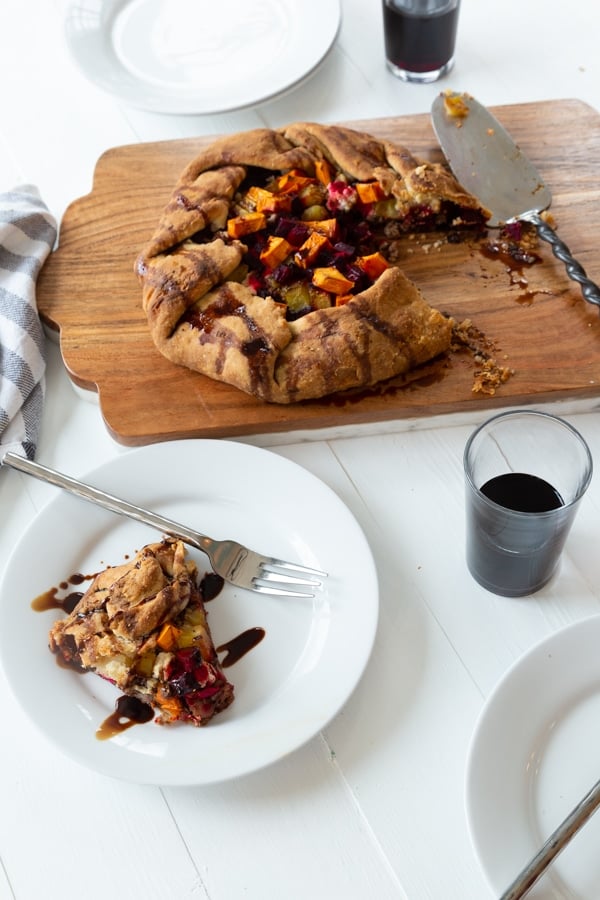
557	841
229	559
491	166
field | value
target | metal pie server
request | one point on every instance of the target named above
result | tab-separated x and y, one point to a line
491	166
557	841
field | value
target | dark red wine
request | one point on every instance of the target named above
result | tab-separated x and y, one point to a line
416	43
510	553
524	493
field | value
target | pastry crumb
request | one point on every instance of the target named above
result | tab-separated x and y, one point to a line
489	375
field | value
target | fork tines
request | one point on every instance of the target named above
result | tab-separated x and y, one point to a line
271	568
278	571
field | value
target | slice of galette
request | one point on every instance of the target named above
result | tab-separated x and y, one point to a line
268	268
143	626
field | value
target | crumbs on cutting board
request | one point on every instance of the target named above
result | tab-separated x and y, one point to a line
489	373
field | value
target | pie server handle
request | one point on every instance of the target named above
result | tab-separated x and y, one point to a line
557	841
575	270
490	165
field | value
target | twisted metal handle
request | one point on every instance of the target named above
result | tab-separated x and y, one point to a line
575	271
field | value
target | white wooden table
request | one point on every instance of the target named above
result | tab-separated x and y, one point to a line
374	805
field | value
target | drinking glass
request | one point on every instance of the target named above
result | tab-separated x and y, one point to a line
525	474
420	36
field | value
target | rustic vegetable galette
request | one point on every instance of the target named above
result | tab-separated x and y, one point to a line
142	626
268	268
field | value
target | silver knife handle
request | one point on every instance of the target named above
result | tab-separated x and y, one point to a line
575	271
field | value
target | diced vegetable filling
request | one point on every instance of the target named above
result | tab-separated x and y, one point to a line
314	242
309	244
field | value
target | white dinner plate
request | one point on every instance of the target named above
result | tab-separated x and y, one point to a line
535	754
199	56
286	689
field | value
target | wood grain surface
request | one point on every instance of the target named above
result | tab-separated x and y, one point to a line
534	319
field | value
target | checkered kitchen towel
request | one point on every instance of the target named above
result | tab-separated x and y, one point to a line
27	234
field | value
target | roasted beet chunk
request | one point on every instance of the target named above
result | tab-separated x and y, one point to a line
285	273
190	677
294	232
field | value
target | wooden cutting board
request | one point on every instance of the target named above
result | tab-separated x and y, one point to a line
534	318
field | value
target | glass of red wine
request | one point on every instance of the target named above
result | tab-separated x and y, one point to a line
525	474
419	37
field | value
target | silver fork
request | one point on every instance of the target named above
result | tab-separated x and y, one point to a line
229	559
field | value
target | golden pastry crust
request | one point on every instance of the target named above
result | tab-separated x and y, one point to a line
205	314
133	623
387	328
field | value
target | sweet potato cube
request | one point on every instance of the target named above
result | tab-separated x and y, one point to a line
328	227
167	637
372	265
342	299
258	195
324	171
275	252
280	203
329	279
238	226
293	181
310	249
171	705
369	191
266	201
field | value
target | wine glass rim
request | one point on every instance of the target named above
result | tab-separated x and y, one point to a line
530	413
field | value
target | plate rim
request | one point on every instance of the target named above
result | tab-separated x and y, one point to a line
538	657
173	102
314	721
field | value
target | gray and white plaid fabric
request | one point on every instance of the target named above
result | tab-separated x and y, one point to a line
27	235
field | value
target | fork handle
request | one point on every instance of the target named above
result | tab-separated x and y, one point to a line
107	501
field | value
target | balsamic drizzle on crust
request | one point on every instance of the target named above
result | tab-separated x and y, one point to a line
268	270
